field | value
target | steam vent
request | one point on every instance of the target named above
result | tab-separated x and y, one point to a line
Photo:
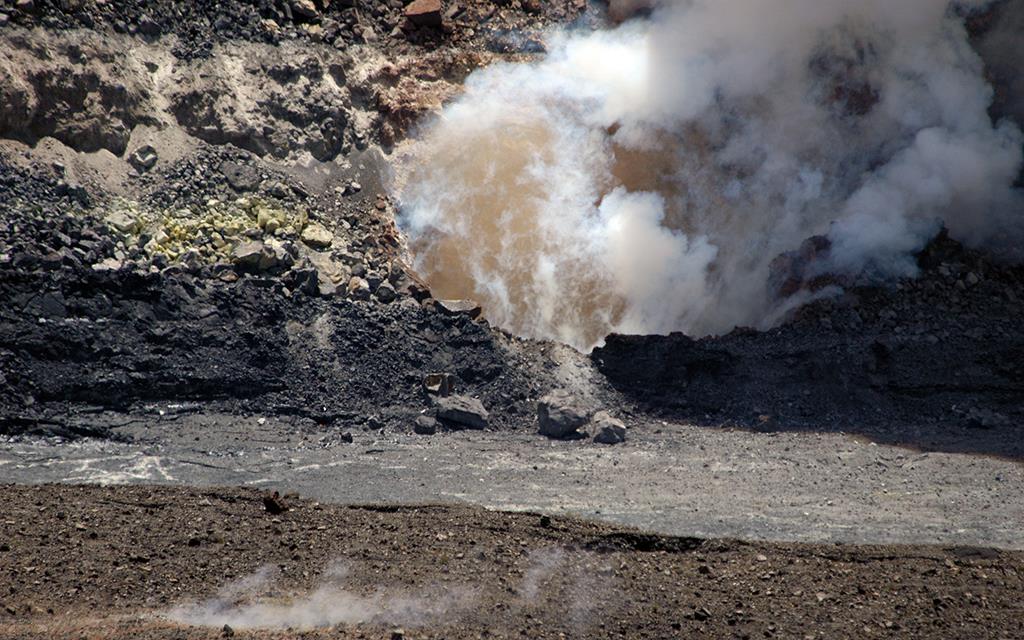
547	319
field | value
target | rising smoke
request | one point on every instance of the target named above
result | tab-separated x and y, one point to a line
642	179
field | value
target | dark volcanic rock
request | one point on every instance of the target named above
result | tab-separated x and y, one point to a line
274	503
143	159
456	307
241	177
912	363
801	269
113	338
425	425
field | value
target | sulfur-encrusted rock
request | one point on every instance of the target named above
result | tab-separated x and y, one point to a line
317	236
122	221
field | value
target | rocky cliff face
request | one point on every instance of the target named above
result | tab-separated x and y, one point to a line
195	207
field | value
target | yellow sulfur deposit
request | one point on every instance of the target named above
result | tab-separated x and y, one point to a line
210	230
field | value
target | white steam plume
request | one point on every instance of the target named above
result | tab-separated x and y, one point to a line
641	180
250	603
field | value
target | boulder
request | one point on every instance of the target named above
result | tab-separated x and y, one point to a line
122	221
609	430
108	264
424	13
326	288
148	26
331	273
792	271
425	426
374	278
241	177
254	256
459	307
461	411
559	415
317	236
191	261
274	503
621	10
304	9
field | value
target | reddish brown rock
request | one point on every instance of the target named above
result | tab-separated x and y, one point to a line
424	13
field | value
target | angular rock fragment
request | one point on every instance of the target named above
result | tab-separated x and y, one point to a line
459	307
256	256
143	159
425	426
304	9
317	236
461	411
274	503
440	384
108	264
609	430
358	289
386	293
240	177
800	269
148	26
559	415
424	13
306	280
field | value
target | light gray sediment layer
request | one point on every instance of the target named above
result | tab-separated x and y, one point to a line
671	479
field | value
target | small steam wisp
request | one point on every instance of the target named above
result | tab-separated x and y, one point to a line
642	179
251	603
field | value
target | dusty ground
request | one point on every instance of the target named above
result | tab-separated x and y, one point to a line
120	562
